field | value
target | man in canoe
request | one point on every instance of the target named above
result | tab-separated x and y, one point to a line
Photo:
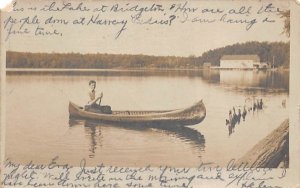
94	101
94	104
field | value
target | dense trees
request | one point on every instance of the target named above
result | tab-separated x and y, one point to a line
277	51
96	61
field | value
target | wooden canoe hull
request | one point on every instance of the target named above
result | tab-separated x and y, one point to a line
188	116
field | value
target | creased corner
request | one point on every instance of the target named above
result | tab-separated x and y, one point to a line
6	5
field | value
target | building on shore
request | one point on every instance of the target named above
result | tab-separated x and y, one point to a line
240	62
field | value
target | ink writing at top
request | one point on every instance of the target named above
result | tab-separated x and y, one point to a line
14	26
29	21
270	8
153	21
32	8
183	8
79	7
12	31
17	9
10	20
80	21
102	8
248	21
138	9
140	14
97	20
53	20
242	10
40	31
212	10
50	7
53	6
268	20
197	20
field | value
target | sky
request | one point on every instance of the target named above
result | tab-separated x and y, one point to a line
175	40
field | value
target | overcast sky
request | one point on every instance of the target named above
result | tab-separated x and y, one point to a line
178	39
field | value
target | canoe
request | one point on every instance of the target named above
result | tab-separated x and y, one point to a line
181	117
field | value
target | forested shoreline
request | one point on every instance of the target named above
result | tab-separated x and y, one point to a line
268	52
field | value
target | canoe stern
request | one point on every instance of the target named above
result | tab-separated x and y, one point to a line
194	114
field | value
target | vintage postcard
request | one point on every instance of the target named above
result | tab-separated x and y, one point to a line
150	93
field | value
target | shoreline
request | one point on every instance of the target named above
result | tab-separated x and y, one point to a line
12	70
91	70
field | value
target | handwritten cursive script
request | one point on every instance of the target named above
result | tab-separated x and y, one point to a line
51	19
59	174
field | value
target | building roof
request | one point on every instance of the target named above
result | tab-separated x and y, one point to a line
241	57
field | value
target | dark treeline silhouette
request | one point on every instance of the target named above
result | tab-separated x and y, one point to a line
96	61
277	51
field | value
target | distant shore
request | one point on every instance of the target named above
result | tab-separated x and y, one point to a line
126	70
92	70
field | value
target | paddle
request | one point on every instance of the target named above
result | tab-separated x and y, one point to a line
100	98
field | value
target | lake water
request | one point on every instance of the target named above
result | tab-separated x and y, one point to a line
38	126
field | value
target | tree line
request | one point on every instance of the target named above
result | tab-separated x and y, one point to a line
277	51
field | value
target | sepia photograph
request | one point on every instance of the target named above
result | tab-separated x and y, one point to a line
132	84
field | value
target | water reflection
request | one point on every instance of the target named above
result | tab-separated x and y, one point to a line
96	137
93	131
255	79
211	76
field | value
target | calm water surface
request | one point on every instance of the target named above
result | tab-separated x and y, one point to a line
38	126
